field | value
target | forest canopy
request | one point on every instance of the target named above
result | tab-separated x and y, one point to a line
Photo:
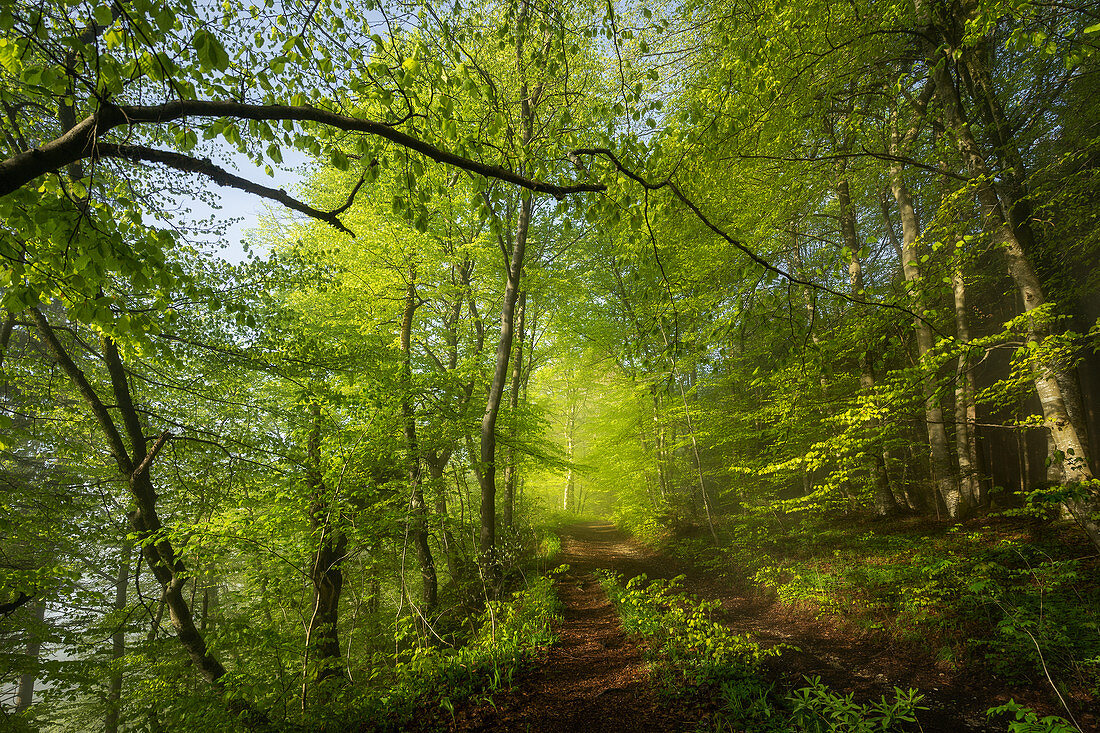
684	265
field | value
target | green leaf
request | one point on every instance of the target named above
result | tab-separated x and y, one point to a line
103	16
339	159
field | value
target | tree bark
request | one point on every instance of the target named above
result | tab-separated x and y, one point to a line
118	644
487	477
24	693
939	449
322	659
157	550
418	510
513	406
883	496
84	139
966	412
487	544
1010	236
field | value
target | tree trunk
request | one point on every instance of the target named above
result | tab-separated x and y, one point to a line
418	509
659	447
322	655
456	565
883	495
118	644
513	406
24	694
966	412
488	477
1067	437
156	548
942	469
569	498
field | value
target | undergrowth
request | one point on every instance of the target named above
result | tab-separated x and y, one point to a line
1007	595
1017	596
689	651
429	681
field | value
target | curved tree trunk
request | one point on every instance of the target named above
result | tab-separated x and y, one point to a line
134	464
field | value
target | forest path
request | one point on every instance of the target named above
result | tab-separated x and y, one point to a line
594	678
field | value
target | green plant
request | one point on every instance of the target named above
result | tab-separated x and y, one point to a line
509	633
817	709
689	650
1026	720
683	640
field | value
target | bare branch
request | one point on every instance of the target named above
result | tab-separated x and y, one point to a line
222	177
148	460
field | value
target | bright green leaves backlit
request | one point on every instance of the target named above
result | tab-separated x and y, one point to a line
210	52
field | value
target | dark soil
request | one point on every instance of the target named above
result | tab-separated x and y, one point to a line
595	679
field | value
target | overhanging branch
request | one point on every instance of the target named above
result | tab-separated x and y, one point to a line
81	141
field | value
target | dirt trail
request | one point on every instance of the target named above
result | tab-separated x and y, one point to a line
594	679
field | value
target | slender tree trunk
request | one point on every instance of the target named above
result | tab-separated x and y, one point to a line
884	500
569	497
966	439
659	447
118	644
703	494
452	553
811	321
648	473
942	464
487	544
24	694
153	722
418	510
513	406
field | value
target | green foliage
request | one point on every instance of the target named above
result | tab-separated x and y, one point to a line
1026	720
1008	594
816	709
689	650
684	643
432	680
727	371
